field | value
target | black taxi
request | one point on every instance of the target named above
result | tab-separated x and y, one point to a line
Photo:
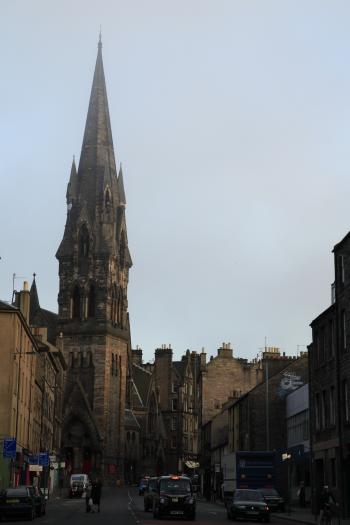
174	498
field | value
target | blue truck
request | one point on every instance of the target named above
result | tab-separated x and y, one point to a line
248	470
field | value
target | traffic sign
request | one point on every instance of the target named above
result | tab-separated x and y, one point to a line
9	450
44	459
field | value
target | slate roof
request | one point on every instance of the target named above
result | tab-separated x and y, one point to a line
142	380
40	316
4	306
130	420
180	367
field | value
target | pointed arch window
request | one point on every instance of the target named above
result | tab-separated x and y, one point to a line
120	309
92	301
84	241
76	299
114	305
107	197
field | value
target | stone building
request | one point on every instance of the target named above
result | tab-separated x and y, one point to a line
146	410
222	377
330	387
93	324
178	402
30	393
253	416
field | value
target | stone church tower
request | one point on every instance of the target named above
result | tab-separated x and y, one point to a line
94	335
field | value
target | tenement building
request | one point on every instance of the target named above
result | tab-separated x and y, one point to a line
30	391
330	387
93	324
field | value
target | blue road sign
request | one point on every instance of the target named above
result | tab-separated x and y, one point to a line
33	459
44	459
9	450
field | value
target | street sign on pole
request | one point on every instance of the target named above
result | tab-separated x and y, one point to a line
9	450
44	459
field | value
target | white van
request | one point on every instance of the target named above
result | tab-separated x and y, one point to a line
78	485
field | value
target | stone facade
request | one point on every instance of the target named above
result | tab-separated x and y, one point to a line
94	263
330	387
178	401
31	390
252	412
152	433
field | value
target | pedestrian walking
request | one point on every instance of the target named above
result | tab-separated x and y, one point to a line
326	500
96	490
88	499
301	494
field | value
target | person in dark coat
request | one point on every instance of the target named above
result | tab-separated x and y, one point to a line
96	490
301	494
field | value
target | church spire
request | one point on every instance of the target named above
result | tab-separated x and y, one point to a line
97	149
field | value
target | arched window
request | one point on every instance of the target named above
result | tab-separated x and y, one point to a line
76	303
120	309
84	241
92	301
107	197
114	305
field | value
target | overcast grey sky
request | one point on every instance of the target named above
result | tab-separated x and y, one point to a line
231	119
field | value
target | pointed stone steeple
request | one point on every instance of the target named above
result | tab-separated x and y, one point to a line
94	263
71	194
122	198
97	151
34	299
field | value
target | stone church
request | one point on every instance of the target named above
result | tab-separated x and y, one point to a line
93	323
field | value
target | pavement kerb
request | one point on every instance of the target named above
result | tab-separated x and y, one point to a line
295	518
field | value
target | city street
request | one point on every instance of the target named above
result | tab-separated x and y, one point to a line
125	507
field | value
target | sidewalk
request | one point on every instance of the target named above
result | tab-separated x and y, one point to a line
299	515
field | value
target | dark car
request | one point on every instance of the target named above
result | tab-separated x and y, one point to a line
174	498
150	493
273	499
142	485
248	504
17	502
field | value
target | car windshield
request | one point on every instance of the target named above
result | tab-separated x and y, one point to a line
77	478
175	486
152	484
269	492
247	495
21	491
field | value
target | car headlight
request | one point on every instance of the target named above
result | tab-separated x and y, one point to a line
190	500
240	506
162	501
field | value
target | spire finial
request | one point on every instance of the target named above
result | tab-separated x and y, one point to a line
34	275
100	39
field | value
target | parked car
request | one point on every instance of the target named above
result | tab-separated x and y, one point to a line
248	504
142	485
273	499
174	498
18	502
39	499
150	493
78	485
